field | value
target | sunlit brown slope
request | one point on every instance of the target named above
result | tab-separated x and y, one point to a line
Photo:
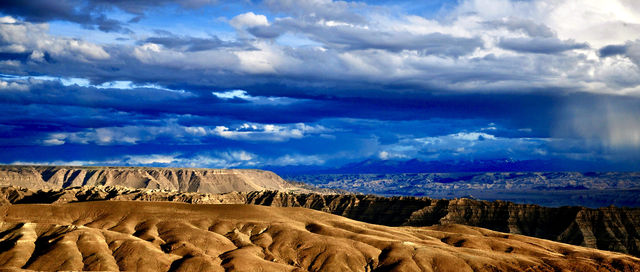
611	228
161	236
177	179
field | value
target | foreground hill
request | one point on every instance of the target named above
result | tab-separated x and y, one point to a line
162	236
177	179
612	228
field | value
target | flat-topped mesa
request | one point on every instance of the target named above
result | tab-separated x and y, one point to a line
175	179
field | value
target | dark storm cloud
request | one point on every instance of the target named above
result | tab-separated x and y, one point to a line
140	6
122	66
50	113
114	105
630	49
612	50
72	117
203	65
14	56
43	10
52	118
540	45
340	80
267	32
87	13
40	53
191	44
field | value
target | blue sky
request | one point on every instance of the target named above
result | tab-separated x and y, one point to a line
274	83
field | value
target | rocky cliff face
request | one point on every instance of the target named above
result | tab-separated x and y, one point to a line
611	228
176	179
614	229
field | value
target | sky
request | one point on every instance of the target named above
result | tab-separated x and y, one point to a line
275	83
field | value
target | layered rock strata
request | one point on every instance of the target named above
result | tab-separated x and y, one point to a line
611	228
176	179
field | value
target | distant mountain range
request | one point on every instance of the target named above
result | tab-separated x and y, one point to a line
447	166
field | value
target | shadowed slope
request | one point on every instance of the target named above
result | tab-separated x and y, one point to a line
160	236
612	228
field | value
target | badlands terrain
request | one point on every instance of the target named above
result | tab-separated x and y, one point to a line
198	219
554	189
610	228
177	179
161	236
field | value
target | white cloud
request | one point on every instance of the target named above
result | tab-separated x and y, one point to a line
155	54
422	52
9	85
59	162
596	22
396	152
233	94
37	56
228	159
249	19
258	100
127	135
54	141
132	135
368	45
34	38
150	159
383	155
268	132
296	159
7	20
266	59
463	145
472	136
339	12
217	159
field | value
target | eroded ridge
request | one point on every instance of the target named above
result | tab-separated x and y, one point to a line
610	228
162	236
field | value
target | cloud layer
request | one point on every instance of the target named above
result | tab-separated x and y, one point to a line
318	82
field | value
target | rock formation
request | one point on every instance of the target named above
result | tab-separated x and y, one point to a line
615	229
162	236
176	179
610	228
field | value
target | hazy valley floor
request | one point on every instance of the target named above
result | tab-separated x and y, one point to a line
551	189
